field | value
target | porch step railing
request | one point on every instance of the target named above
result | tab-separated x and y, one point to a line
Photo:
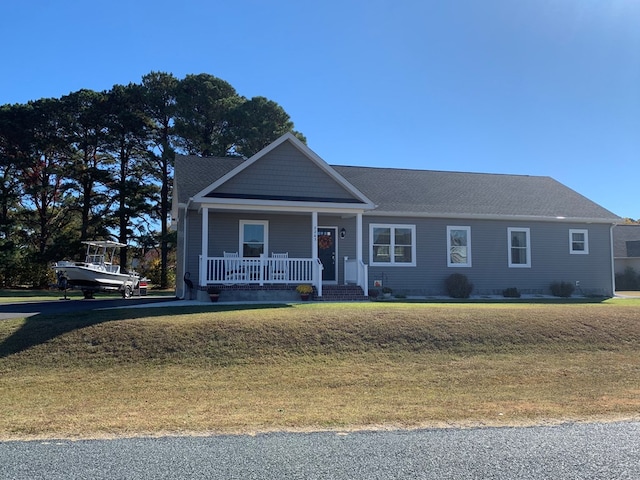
259	270
356	272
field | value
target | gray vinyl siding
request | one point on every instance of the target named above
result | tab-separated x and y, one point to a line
287	233
180	251
194	243
272	177
490	272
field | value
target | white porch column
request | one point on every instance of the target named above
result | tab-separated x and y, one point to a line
359	248
205	247
314	235
314	252
359	237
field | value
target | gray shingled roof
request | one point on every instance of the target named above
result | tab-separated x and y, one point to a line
428	192
455	193
194	174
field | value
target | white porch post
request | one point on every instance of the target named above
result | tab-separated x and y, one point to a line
314	252
359	248
205	247
314	235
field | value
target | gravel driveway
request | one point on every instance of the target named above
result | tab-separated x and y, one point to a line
572	451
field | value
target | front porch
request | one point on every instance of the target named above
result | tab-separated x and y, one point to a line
271	248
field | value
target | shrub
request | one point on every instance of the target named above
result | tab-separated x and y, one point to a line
387	290
458	286
562	289
511	292
373	293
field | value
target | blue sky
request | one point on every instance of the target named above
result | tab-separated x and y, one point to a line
534	87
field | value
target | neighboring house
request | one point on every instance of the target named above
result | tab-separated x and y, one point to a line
626	248
285	217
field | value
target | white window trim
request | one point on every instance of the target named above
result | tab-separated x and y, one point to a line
585	232
449	262
528	250
393	263
265	223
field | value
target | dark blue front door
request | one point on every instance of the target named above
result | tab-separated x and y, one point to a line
327	252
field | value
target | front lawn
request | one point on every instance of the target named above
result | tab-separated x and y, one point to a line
318	366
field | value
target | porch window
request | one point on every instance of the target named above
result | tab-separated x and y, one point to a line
578	241
458	246
519	247
253	237
392	245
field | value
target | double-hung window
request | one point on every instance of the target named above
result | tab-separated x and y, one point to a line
578	241
392	245
253	237
519	247
458	246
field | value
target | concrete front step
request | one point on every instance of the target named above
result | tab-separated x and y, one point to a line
342	293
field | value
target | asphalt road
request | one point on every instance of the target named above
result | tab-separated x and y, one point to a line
25	309
572	451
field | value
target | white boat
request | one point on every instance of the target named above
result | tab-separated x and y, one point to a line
97	272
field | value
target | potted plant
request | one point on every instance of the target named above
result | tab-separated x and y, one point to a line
386	292
214	293
304	290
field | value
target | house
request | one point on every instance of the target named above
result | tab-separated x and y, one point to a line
285	217
626	252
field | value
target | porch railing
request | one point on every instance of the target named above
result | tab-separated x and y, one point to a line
260	270
356	271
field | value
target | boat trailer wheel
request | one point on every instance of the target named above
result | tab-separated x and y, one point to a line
88	294
127	292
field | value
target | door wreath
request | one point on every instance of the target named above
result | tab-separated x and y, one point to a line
325	242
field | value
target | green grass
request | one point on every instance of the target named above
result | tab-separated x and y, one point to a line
315	366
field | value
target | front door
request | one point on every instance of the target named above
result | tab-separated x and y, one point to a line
327	237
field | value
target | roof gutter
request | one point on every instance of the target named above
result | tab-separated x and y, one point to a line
471	216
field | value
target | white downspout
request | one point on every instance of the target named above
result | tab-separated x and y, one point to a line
359	280
613	262
314	252
184	246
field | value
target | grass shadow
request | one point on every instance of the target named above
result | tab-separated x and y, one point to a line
39	329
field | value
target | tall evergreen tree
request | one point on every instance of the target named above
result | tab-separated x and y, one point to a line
204	103
128	138
88	174
12	143
256	123
42	174
160	101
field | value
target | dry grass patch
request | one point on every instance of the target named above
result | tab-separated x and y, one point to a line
317	366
